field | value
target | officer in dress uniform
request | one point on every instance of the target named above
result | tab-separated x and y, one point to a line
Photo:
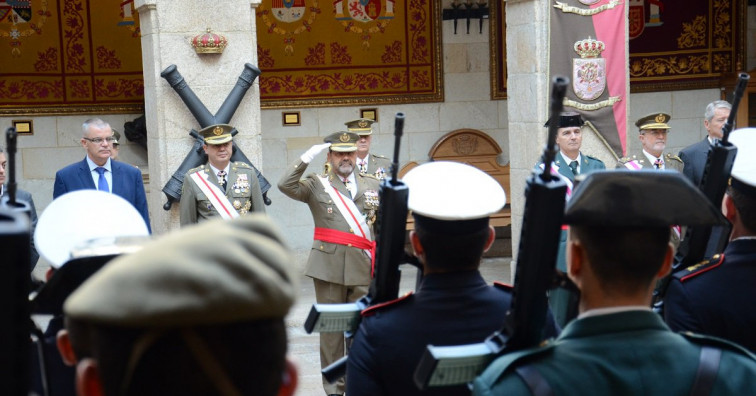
343	204
367	162
569	163
453	304
617	251
713	297
219	188
186	318
653	130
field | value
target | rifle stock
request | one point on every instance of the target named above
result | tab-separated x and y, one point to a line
534	276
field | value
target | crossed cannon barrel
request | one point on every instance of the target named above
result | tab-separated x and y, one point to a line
196	155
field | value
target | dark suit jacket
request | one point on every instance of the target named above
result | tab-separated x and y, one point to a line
694	158
25	196
127	183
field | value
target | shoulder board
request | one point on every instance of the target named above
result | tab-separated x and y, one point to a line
716	342
240	164
199	168
368	175
379	156
625	159
594	158
503	286
385	305
671	156
700	268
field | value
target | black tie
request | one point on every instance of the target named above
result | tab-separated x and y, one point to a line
573	166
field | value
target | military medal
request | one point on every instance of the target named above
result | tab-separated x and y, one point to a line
237	204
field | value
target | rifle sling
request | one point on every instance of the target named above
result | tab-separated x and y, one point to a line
534	380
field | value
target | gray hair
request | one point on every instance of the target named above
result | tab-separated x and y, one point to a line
717	104
95	122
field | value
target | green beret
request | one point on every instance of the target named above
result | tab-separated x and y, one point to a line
217	272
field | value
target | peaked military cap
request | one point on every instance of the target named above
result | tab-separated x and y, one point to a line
568	119
242	274
620	198
217	134
344	142
452	197
360	126
744	168
653	121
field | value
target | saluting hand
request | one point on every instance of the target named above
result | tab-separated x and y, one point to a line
310	154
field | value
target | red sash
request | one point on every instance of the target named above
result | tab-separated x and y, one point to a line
347	239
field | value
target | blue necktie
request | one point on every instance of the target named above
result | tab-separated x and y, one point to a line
102	183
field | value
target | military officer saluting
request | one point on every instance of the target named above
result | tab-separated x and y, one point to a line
219	188
367	163
653	130
343	203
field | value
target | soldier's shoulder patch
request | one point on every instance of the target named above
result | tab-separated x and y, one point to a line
673	157
371	310
700	268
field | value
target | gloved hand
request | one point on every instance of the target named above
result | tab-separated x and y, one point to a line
310	154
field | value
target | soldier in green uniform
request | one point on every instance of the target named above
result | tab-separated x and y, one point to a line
618	248
181	317
569	163
219	188
653	130
343	204
367	162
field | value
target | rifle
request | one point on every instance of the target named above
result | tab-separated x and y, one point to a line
534	275
15	326
172	189
716	175
391	225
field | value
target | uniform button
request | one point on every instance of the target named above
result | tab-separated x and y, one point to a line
321	247
349	244
351	230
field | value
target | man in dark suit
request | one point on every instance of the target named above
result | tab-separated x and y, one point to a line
25	196
694	156
711	297
618	346
98	172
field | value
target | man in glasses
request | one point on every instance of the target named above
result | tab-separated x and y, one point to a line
98	172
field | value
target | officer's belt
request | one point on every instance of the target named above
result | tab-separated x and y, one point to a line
347	239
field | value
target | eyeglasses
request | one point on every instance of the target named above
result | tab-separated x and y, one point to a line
99	140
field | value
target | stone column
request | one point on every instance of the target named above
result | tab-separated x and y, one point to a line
528	90
167	29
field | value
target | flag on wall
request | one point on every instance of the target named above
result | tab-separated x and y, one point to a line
588	46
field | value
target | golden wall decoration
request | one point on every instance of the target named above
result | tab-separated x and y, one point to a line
69	56
349	52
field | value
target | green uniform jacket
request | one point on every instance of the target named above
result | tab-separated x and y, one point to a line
671	161
626	353
242	190
589	164
378	166
332	262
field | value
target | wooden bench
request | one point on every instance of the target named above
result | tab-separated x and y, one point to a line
476	148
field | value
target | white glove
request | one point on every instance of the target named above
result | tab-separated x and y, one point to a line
310	154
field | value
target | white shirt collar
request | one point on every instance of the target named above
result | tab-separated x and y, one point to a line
216	170
93	166
652	159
